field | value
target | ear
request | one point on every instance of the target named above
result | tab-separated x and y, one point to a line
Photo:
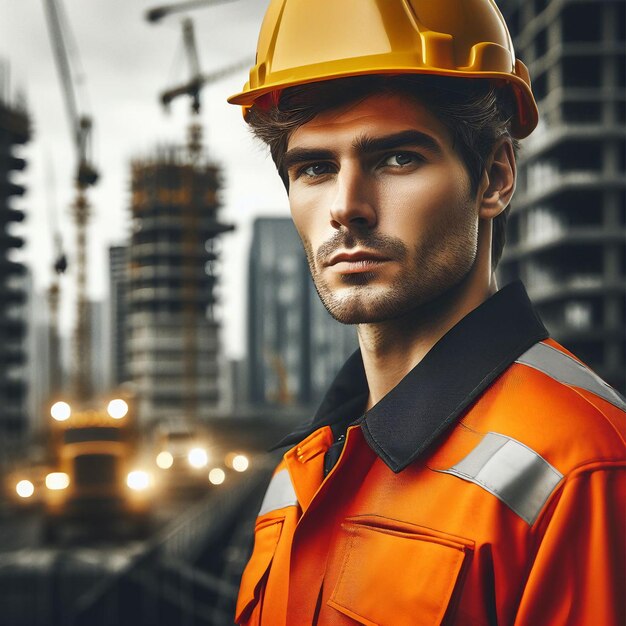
498	182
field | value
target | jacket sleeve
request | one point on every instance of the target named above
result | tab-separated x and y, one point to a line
579	574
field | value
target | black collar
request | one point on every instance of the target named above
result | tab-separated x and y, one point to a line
432	396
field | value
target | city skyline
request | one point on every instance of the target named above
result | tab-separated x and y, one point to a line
251	187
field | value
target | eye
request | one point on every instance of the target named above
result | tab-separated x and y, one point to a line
401	159
316	169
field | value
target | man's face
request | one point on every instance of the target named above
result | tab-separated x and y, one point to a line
384	208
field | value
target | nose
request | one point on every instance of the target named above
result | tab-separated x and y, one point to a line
353	203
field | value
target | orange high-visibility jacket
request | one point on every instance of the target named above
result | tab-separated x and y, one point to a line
487	488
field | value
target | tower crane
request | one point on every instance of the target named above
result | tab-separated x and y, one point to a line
192	89
157	13
196	82
85	176
197	79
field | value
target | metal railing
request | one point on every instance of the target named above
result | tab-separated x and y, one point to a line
164	585
184	575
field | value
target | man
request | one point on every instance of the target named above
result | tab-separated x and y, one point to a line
463	468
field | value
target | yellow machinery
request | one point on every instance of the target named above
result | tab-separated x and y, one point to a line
182	457
94	482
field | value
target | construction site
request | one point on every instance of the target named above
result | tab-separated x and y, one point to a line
129	504
133	448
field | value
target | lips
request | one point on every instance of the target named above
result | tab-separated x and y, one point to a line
356	261
355	257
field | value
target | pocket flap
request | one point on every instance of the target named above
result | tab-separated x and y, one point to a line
266	537
392	576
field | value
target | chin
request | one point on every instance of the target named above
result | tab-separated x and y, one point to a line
374	304
368	306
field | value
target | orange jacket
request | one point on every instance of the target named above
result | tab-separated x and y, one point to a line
487	488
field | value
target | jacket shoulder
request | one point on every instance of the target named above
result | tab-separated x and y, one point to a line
553	403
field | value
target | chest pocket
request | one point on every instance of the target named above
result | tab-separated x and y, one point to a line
254	578
398	574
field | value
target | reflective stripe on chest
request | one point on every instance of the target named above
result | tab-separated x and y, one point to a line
512	472
280	493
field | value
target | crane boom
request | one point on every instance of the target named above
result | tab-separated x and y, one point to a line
80	124
196	83
63	66
154	15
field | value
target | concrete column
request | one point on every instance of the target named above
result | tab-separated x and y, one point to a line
610	70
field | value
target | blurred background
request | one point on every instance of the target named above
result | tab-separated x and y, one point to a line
158	327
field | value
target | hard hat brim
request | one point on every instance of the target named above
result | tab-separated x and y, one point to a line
521	126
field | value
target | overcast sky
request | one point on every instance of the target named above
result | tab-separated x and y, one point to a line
127	62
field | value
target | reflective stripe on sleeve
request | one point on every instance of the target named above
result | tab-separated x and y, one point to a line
510	471
565	369
279	494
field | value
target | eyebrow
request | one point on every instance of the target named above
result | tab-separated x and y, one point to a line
364	144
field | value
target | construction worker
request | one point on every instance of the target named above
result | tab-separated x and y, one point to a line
463	468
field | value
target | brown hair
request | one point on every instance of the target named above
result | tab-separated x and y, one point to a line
476	112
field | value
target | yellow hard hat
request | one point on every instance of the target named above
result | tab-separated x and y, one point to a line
305	41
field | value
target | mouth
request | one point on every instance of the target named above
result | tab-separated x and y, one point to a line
356	261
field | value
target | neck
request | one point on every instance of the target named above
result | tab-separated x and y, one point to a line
391	349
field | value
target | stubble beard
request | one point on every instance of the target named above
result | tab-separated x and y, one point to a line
428	272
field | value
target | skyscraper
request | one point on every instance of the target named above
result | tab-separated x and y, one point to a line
100	346
39	363
14	132
118	313
294	346
567	228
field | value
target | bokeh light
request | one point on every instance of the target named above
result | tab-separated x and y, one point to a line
138	480
56	481
217	476
198	457
25	489
117	408
60	411
240	463
165	460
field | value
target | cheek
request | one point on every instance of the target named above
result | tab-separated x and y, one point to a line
422	202
411	206
309	216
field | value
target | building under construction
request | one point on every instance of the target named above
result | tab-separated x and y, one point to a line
14	131
567	229
173	338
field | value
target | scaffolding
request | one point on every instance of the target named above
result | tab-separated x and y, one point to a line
567	228
173	331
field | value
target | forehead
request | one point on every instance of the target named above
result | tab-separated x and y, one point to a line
375	115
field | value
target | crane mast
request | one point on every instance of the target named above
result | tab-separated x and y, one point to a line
86	175
54	291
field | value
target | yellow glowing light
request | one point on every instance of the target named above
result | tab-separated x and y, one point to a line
25	489
198	457
138	480
217	476
117	409
165	460
60	411
56	481
240	463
